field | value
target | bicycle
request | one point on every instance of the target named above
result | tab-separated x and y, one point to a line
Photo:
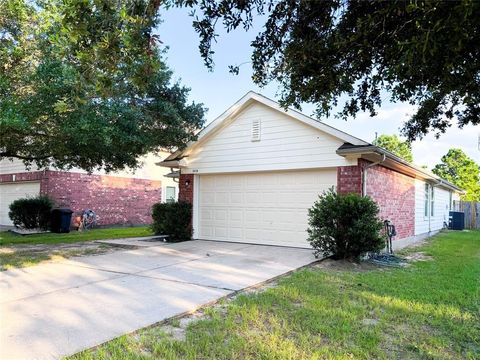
88	220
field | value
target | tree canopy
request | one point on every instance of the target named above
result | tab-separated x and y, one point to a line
83	84
462	171
395	145
426	53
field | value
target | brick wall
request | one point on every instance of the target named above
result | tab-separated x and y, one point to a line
185	191
24	176
349	179
116	200
392	191
395	195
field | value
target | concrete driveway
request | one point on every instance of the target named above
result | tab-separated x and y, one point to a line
56	309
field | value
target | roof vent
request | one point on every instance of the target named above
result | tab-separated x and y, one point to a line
256	130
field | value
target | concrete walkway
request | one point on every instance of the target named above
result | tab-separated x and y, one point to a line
56	309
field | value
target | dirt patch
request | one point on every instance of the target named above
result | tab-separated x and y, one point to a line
418	256
345	265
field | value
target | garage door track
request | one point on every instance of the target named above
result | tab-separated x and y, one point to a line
56	309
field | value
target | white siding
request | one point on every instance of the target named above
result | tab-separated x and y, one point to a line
285	143
424	224
14	166
147	170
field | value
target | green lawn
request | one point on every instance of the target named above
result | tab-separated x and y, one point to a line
20	251
9	238
429	310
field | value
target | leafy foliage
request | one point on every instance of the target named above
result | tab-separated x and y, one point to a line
395	145
31	213
462	171
421	52
173	219
83	83
344	225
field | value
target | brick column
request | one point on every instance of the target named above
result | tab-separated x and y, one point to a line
349	179
185	188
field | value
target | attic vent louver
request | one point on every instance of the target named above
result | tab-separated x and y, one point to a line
256	130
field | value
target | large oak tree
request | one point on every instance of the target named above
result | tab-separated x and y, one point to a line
423	52
83	83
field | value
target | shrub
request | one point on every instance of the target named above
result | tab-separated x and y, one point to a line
345	226
31	213
173	219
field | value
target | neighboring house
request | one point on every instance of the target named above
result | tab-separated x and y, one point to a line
256	170
117	198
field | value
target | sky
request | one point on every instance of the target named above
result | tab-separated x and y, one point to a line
218	89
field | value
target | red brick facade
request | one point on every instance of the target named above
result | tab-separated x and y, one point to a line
185	188
395	195
116	200
393	192
349	179
24	176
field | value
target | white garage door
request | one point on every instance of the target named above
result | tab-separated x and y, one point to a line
261	208
11	192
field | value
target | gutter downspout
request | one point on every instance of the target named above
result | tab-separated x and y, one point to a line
364	174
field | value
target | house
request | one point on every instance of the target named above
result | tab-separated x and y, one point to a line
255	171
122	197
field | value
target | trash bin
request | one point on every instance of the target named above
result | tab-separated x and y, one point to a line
61	219
457	220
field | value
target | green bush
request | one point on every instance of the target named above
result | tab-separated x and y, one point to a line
173	219
31	213
345	226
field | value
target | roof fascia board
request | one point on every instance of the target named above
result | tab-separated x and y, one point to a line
401	164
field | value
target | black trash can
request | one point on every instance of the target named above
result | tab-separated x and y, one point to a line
457	220
61	219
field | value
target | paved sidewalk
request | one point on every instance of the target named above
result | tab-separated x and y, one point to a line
56	309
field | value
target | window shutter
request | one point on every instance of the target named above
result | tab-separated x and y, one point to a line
256	130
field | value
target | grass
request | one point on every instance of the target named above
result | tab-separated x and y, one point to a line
9	238
20	251
429	310
11	259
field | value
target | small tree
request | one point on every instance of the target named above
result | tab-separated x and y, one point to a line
173	219
31	213
345	226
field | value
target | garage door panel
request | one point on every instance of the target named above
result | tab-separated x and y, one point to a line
265	208
13	191
235	233
237	199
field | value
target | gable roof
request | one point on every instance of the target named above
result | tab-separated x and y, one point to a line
352	146
248	99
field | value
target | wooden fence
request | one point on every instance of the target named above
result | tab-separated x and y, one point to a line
472	213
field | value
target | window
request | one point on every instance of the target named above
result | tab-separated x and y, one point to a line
429	204
427	199
450	201
432	201
170	195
